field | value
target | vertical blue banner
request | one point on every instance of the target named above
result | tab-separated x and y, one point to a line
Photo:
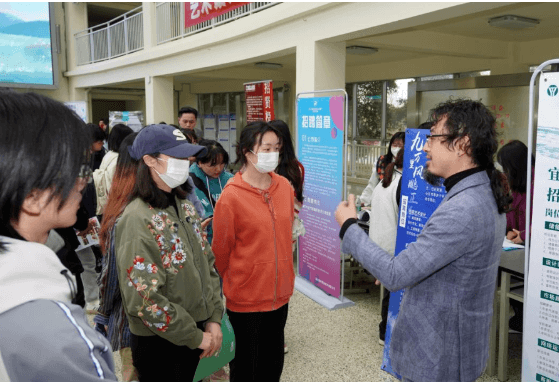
418	201
320	150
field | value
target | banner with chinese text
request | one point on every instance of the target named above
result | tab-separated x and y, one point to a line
418	201
540	343
259	98
196	13
320	148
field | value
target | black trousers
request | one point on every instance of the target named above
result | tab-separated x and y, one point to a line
384	315
157	359
259	337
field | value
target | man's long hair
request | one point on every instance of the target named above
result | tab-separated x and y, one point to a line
465	117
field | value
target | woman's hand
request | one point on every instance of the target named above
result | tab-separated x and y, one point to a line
517	239
511	235
89	228
206	343
217	337
206	222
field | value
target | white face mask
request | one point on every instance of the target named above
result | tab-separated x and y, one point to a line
267	162
177	172
395	150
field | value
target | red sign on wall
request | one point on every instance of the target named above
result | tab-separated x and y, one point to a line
260	101
195	13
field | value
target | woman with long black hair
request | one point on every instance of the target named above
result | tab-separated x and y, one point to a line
395	144
290	168
111	319
169	287
513	157
252	244
103	177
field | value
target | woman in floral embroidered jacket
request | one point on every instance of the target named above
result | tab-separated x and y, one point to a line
170	290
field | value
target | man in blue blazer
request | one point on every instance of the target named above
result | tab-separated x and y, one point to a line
449	273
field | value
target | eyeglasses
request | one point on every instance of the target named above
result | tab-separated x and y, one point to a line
433	136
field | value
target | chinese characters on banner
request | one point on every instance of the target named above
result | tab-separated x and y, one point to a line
320	123
259	98
541	342
195	13
418	201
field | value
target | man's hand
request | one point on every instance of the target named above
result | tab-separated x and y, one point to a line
511	235
346	210
217	337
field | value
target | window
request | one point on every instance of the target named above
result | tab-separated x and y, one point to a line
397	106
369	110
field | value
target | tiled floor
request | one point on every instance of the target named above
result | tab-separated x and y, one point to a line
342	345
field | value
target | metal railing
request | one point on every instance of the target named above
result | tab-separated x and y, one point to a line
362	158
170	19
121	35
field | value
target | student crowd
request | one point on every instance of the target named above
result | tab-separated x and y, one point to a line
179	233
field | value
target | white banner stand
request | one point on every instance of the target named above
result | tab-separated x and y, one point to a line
540	347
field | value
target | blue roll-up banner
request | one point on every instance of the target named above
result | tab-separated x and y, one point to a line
321	150
418	201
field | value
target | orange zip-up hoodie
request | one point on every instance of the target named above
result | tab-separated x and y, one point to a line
252	244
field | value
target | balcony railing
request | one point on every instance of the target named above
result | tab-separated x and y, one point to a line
170	19
119	36
362	158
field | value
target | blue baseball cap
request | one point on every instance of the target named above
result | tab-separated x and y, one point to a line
164	139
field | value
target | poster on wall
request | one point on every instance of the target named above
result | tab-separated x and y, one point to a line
223	131
79	107
232	138
320	148
540	345
133	119
209	127
259	98
196	13
418	201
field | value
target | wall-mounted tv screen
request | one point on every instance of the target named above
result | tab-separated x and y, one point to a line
26	54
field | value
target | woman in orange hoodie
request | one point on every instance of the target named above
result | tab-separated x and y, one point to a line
252	245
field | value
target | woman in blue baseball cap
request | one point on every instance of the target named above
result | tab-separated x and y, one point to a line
170	290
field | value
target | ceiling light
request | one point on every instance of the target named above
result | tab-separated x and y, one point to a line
268	65
513	22
360	50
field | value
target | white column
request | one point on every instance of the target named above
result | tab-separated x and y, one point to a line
320	66
186	98
75	19
159	100
150	26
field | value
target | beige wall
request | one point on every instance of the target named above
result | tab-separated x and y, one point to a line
221	59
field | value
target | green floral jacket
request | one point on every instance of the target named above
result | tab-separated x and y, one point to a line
166	272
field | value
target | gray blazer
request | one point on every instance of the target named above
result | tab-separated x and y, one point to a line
442	329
